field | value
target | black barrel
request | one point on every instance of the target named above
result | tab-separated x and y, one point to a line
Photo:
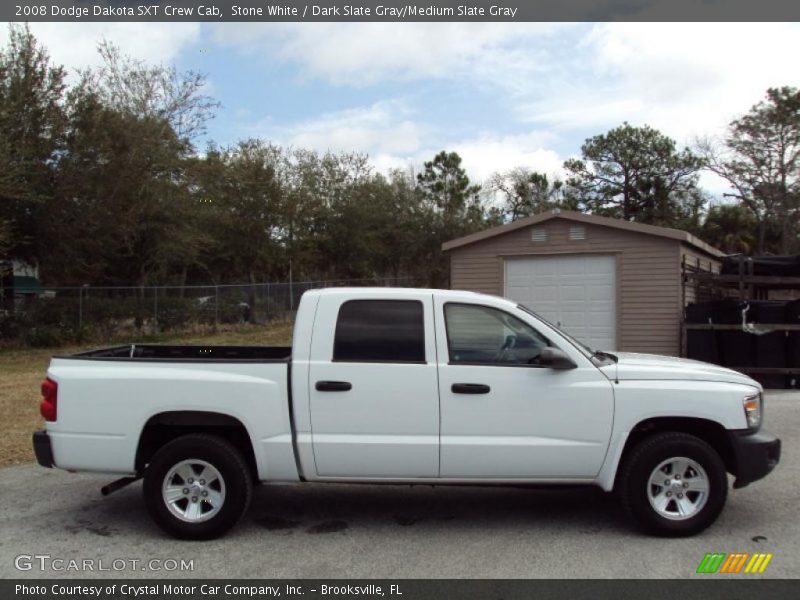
737	347
701	344
699	312
771	348
793	346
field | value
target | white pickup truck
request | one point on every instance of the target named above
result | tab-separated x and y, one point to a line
405	386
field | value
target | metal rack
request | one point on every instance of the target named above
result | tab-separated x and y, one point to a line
744	285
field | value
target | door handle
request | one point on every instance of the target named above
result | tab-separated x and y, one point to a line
333	386
470	388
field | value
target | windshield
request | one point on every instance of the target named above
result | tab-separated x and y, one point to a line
577	343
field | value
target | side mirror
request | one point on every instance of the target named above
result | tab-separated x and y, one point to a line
555	359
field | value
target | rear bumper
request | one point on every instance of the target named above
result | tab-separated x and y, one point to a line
42	448
756	454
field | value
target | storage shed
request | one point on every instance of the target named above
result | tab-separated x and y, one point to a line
614	284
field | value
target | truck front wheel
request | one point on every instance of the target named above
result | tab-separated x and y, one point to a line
197	486
673	484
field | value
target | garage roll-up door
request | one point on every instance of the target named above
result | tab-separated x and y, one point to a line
577	292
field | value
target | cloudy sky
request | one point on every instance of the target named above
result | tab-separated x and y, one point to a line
502	95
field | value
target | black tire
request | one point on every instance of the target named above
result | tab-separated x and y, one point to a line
231	466
642	461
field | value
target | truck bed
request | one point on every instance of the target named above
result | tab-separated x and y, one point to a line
160	352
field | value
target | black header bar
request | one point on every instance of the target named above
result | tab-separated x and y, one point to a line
705	588
215	11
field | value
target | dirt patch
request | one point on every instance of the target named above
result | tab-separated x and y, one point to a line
22	371
276	523
328	527
85	525
406	521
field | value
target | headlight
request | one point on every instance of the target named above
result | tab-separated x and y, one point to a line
752	410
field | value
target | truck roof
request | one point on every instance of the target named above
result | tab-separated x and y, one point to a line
400	291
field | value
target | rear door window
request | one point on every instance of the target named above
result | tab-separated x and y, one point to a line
380	331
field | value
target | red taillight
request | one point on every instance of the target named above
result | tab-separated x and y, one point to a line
49	404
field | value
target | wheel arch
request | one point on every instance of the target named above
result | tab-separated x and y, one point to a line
164	427
711	432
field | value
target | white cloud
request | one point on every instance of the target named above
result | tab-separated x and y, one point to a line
74	45
686	79
482	156
489	153
713	184
388	132
485	155
385	127
367	53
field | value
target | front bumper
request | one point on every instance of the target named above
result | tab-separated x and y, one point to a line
756	454
42	448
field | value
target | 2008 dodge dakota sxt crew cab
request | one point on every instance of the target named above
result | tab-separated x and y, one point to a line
405	386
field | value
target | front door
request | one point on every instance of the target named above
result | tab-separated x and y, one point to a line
504	416
373	385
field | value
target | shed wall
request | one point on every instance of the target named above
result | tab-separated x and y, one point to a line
648	276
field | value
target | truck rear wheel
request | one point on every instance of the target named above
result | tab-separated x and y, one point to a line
673	484
197	487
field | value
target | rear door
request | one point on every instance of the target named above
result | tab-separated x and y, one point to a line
374	394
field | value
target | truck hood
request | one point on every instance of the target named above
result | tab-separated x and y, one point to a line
633	366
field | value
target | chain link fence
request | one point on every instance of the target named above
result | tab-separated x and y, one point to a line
50	316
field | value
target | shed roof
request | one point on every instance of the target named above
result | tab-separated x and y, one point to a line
666	232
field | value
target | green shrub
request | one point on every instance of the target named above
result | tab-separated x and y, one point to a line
230	310
176	313
44	336
11	327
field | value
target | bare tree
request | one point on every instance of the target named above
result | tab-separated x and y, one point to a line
525	192
760	159
151	91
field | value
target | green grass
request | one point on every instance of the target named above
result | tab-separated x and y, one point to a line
22	370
